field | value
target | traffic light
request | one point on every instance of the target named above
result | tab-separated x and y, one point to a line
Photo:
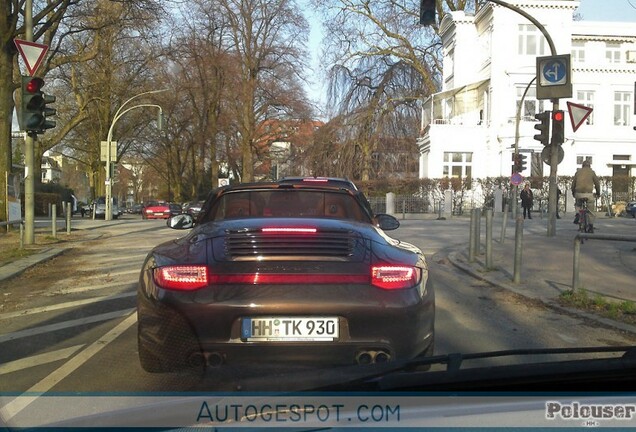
543	127
558	127
34	110
427	12
522	162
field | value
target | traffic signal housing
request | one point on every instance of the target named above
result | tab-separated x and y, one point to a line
427	12
558	127
33	107
522	162
543	127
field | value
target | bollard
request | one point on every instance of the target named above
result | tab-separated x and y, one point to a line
489	239
54	220
478	231
516	278
68	218
471	237
503	226
21	235
576	263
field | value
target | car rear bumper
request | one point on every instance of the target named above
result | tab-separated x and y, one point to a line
373	324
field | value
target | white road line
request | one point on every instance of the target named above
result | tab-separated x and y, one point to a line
39	359
89	288
15	406
65	305
63	325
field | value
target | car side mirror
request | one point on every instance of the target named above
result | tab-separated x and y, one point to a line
387	222
181	221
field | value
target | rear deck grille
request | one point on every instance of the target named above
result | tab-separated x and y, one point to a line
249	245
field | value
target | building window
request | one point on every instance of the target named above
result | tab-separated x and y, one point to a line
586	97
531	40
613	52
622	108
622	157
531	105
582	158
458	165
578	51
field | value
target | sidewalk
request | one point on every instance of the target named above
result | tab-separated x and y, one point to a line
607	268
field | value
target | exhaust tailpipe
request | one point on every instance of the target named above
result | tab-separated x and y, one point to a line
215	359
382	357
364	357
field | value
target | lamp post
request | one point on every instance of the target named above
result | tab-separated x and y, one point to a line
108	215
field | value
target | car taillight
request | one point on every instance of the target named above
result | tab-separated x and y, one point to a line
181	277
394	277
288	230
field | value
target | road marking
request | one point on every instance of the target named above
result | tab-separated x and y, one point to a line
65	305
63	325
16	405
39	359
91	288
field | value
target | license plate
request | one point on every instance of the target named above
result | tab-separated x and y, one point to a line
290	329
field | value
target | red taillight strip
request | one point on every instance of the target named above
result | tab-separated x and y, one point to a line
289	230
181	277
394	277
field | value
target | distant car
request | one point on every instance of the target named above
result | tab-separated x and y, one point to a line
175	209
156	210
135	209
630	209
193	208
100	208
276	273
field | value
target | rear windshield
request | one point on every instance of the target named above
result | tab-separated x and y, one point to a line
287	203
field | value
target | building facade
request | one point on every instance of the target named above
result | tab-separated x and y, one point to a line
488	101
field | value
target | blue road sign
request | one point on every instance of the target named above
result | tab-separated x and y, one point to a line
553	72
553	77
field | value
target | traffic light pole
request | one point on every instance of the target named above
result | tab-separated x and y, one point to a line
108	215
554	156
29	151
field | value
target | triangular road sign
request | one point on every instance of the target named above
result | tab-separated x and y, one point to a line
32	53
578	114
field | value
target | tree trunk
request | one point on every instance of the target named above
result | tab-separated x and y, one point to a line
6	115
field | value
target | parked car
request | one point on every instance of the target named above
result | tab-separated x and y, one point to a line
278	274
630	209
135	209
193	208
156	210
175	209
100	208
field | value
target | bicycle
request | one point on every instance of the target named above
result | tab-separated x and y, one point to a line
585	216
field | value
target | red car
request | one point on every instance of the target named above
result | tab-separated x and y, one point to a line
156	210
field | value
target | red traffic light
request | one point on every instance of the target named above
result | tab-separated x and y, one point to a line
557	116
34	85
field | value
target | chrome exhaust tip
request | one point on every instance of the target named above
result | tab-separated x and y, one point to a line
382	357
364	357
215	359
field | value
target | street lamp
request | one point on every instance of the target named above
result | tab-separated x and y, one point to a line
109	181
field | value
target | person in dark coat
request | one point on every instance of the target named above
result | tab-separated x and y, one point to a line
527	201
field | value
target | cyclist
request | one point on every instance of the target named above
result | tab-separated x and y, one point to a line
583	185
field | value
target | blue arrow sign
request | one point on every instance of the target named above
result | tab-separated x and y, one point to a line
553	72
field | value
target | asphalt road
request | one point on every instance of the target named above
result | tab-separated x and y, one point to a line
69	325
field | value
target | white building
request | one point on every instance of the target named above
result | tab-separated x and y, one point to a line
469	128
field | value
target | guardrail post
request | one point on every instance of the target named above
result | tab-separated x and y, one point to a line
69	210
516	278
471	237
504	222
54	220
576	262
489	238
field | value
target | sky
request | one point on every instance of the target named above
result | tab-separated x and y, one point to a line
608	10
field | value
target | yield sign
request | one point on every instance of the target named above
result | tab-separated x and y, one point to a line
578	114
32	53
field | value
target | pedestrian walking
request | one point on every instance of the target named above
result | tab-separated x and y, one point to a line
527	201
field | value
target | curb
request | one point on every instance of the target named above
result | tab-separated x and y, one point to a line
16	268
452	257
